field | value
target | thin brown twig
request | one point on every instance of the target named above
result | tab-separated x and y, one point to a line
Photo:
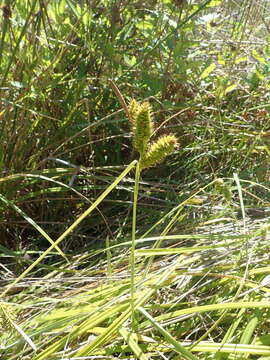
120	97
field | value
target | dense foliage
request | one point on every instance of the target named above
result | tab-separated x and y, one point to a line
68	68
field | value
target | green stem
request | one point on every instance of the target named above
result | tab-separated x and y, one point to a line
6	22
133	244
17	45
71	227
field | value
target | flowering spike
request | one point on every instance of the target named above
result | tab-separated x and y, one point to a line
133	110
159	150
143	127
6	316
140	116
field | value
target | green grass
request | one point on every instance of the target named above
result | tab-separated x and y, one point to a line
100	258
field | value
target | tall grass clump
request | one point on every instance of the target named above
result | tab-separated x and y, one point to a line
202	295
59	119
103	256
140	116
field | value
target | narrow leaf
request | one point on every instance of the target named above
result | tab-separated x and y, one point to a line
178	347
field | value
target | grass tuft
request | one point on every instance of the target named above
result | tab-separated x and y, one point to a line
169	265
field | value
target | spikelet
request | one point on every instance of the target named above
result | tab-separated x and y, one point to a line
142	127
6	316
157	152
140	116
133	110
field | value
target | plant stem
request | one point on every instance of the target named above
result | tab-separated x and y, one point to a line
6	21
133	238
17	45
71	227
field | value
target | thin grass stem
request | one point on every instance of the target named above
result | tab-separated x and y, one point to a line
133	243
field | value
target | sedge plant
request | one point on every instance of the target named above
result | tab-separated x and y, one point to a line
150	154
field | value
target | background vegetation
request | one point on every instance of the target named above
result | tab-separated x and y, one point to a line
202	239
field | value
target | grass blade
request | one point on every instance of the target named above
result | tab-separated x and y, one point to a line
132	344
178	347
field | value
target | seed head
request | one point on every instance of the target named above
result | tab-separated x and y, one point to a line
142	126
157	152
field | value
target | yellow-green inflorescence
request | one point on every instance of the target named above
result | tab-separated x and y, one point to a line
142	125
6	316
141	117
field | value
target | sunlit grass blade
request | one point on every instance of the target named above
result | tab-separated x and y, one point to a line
101	340
232	348
169	338
33	223
73	226
214	307
140	299
127	336
15	326
24	335
249	330
183	250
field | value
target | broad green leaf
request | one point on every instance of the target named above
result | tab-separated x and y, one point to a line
130	60
109	50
